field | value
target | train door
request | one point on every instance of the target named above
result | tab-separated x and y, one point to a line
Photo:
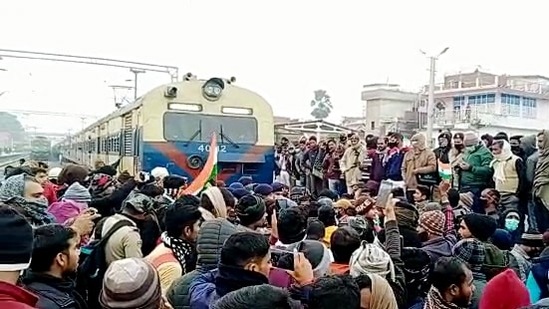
127	163
104	132
137	142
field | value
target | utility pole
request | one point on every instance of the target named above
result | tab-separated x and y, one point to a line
431	100
135	73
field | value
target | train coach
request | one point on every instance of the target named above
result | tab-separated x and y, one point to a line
171	126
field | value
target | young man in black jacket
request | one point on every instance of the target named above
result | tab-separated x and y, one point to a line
54	262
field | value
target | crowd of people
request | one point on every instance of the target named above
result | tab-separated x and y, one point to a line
461	226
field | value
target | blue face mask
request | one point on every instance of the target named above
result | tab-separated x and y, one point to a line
511	224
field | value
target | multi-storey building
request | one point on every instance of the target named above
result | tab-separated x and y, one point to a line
489	103
387	108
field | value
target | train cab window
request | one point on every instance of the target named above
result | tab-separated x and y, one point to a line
250	168
193	127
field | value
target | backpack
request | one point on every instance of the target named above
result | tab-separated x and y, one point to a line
495	261
93	264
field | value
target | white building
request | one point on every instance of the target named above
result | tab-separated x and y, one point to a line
488	103
387	108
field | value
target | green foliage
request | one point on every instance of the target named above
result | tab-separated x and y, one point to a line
10	124
321	104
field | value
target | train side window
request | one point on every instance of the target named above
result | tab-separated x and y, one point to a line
127	138
109	145
116	144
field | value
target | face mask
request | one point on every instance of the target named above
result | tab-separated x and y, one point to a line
511	224
41	201
459	146
393	144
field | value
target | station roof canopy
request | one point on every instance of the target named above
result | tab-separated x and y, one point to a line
310	127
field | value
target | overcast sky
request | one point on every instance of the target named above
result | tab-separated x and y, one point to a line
283	50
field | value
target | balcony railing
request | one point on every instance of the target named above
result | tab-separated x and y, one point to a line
472	116
523	86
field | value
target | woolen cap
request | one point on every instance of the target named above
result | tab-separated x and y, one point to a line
78	193
131	283
481	226
432	222
16	240
250	209
505	290
470	139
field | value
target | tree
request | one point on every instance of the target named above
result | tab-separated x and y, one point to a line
10	124
321	104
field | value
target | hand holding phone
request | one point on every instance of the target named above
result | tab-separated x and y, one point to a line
385	189
303	270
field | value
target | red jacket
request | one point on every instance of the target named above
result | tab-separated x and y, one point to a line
14	297
50	192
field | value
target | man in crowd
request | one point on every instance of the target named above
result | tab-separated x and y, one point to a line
16	241
55	261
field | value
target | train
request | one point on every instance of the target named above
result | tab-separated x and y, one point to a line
40	148
171	126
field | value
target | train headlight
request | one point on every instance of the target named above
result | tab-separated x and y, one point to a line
213	88
170	92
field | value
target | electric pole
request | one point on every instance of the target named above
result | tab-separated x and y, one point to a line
135	73
431	100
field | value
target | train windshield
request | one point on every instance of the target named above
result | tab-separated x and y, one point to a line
40	143
192	127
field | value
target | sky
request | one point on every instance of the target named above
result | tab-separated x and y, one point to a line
283	50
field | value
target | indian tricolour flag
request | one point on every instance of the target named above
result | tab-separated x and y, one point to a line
445	171
208	174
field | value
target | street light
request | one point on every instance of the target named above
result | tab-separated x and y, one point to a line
431	101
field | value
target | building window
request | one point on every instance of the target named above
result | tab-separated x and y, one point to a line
529	108
482	99
459	108
482	103
510	104
459	103
491	103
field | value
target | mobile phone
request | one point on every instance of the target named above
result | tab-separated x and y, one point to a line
277	254
384	192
